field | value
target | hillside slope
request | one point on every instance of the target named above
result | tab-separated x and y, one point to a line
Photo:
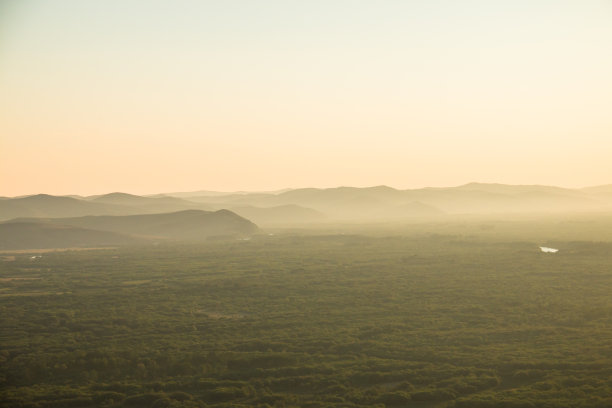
183	225
40	235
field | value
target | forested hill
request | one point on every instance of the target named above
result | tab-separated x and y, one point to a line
188	225
37	235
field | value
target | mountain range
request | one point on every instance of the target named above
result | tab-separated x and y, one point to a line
331	204
386	203
120	218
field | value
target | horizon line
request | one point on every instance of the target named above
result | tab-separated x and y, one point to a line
282	190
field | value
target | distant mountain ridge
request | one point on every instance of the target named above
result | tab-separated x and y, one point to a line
375	203
149	204
339	204
48	206
44	205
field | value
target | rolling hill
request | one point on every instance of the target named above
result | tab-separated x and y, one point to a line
188	225
39	235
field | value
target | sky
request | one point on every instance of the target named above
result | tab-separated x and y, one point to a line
149	96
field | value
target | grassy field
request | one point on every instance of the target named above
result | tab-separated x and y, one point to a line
463	316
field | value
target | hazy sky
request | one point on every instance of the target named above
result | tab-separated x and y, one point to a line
151	96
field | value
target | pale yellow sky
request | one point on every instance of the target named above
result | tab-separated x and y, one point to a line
154	96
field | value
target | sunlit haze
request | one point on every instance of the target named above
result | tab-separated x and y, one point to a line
162	96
